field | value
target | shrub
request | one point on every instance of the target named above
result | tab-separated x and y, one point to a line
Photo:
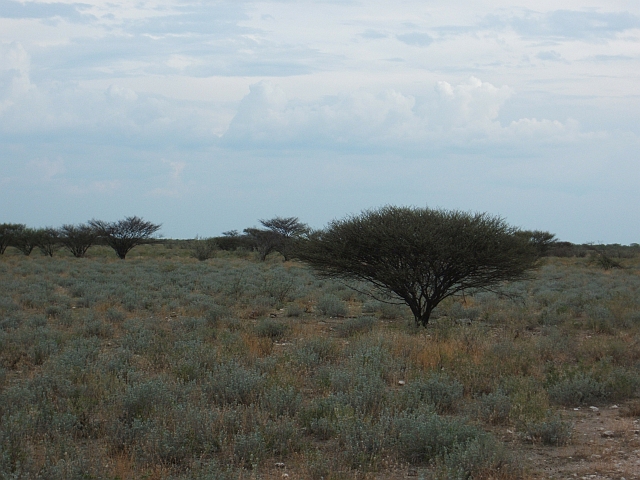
363	440
230	383
268	328
294	310
203	248
444	393
579	389
553	431
494	408
331	306
353	326
282	437
281	401
143	399
314	351
249	449
481	457
423	436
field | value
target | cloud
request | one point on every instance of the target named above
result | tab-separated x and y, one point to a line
14	74
463	115
566	24
415	39
373	34
39	10
550	55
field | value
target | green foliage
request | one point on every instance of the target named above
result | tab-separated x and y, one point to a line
77	239
8	234
494	407
552	431
25	239
203	248
153	368
439	390
125	234
230	383
421	256
269	328
354	326
331	306
425	436
579	389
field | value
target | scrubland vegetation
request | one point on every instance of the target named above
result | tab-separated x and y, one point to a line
164	366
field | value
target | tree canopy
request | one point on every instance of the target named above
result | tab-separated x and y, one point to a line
125	234
421	255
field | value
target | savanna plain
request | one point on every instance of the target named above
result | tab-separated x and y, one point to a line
161	366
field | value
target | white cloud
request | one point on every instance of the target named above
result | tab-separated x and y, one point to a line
443	115
14	74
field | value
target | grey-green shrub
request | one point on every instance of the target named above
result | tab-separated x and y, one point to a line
331	306
269	328
353	326
230	383
439	390
424	436
494	407
552	431
579	389
249	449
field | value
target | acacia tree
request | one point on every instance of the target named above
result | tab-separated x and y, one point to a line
7	232
420	255
77	238
264	241
48	240
126	234
286	231
25	239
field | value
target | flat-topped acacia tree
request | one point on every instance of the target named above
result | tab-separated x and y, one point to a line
125	234
421	255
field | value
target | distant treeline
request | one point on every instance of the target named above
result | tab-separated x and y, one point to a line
276	235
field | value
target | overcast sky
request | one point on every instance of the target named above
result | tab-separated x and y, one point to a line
206	116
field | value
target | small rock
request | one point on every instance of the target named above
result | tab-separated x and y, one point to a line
279	465
594	409
608	434
614	406
401	382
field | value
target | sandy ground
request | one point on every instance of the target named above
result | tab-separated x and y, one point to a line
605	445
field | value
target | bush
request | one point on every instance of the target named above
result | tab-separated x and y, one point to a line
481	457
281	401
553	431
331	306
230	383
249	449
282	437
203	248
353	326
315	351
272	329
494	408
580	389
294	310
444	393
363	441
423	436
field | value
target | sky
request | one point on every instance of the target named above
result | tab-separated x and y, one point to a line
207	116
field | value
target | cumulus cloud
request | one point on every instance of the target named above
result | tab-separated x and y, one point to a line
566	24
14	74
444	115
